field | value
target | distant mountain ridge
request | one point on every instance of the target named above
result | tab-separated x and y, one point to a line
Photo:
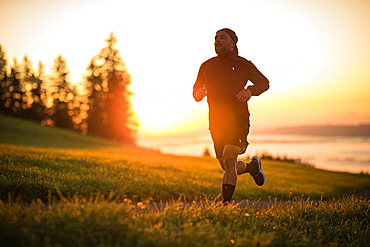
324	130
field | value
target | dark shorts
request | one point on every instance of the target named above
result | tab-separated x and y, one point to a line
232	132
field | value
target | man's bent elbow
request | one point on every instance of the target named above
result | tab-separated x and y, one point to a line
267	86
264	88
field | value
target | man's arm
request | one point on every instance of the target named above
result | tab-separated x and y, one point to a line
260	82
199	88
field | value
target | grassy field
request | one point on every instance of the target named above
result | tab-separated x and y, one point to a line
60	187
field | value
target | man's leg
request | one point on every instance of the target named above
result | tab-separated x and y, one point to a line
241	167
230	154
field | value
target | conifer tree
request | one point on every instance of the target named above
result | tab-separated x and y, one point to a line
61	94
27	78
4	93
15	103
3	63
110	112
36	110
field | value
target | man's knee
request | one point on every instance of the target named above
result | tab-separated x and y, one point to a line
230	161
230	154
231	150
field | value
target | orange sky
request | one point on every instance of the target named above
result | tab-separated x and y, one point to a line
315	53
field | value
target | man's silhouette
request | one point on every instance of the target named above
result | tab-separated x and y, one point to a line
223	80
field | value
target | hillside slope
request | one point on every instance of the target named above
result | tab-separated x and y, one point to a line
35	159
21	132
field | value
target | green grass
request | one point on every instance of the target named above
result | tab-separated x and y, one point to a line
99	222
31	172
92	192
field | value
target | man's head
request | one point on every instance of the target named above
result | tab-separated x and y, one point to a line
225	41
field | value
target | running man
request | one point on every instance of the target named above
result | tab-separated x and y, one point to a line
223	80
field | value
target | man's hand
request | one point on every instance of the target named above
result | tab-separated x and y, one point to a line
244	95
201	93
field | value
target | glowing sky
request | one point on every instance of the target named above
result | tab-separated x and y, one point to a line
316	53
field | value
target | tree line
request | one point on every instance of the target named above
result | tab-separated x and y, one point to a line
100	105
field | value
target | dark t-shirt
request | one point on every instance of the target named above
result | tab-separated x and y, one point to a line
225	76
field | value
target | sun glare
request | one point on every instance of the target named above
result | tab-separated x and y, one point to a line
289	52
173	113
163	49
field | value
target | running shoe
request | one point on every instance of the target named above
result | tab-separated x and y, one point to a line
259	177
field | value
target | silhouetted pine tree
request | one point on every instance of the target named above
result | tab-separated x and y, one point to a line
37	109
78	106
61	95
110	113
4	93
27	78
206	153
16	101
